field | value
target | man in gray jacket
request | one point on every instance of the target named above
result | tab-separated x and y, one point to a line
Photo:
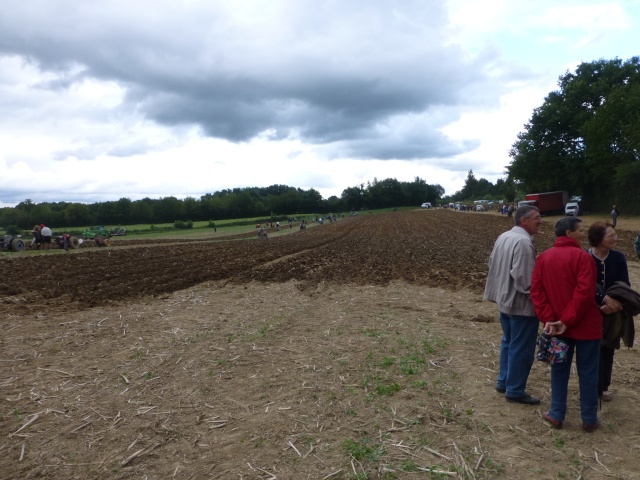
508	284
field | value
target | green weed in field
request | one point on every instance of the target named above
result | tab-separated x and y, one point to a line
387	362
363	450
408	466
387	390
421	385
447	412
370	332
558	442
378	387
411	364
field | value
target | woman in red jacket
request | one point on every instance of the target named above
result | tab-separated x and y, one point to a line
563	293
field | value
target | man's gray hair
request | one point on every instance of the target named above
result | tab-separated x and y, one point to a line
524	212
567	223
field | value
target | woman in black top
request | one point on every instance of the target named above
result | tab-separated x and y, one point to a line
612	267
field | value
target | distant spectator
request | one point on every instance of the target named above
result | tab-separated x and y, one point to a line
65	241
37	237
637	245
46	236
614	216
100	242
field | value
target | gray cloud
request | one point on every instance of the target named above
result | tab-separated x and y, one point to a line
335	74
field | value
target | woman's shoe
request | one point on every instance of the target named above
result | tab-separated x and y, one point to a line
607	396
557	424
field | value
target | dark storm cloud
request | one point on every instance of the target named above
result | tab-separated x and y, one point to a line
336	74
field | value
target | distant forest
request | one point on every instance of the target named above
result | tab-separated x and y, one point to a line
276	200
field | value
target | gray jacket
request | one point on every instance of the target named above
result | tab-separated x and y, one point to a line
510	270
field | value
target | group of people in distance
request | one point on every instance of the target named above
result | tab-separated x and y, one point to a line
582	297
42	237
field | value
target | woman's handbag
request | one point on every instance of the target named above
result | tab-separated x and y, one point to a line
544	342
552	350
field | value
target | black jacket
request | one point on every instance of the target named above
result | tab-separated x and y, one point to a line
620	325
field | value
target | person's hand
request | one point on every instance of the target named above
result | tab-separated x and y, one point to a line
555	328
611	305
560	329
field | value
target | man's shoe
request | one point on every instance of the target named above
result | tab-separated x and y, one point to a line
590	427
526	400
606	396
557	424
501	390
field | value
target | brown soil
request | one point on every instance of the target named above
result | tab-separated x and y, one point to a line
359	349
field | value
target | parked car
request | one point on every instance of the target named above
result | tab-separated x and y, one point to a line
426	205
572	208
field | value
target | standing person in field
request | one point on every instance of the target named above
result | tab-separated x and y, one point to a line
66	238
37	237
614	216
508	284
612	267
563	292
46	236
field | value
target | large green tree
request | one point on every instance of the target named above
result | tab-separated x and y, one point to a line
584	137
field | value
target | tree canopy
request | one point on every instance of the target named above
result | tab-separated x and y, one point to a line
585	137
275	200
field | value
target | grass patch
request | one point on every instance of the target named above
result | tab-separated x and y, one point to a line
364	450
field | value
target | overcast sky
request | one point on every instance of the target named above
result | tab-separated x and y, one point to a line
107	99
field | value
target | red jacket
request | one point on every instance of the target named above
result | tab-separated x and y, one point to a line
563	288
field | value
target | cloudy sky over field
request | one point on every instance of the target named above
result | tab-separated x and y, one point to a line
151	98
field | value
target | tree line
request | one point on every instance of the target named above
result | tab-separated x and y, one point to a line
585	138
250	202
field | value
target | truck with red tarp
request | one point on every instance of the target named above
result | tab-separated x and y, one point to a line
547	202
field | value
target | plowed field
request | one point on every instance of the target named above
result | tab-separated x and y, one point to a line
355	349
439	249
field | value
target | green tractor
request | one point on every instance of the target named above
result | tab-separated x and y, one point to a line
93	232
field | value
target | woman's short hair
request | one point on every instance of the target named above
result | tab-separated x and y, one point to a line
597	232
566	223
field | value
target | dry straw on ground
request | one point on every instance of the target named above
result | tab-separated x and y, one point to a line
359	349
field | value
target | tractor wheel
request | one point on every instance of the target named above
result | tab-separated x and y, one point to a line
74	242
17	245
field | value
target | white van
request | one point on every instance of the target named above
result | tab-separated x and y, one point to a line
572	208
426	205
